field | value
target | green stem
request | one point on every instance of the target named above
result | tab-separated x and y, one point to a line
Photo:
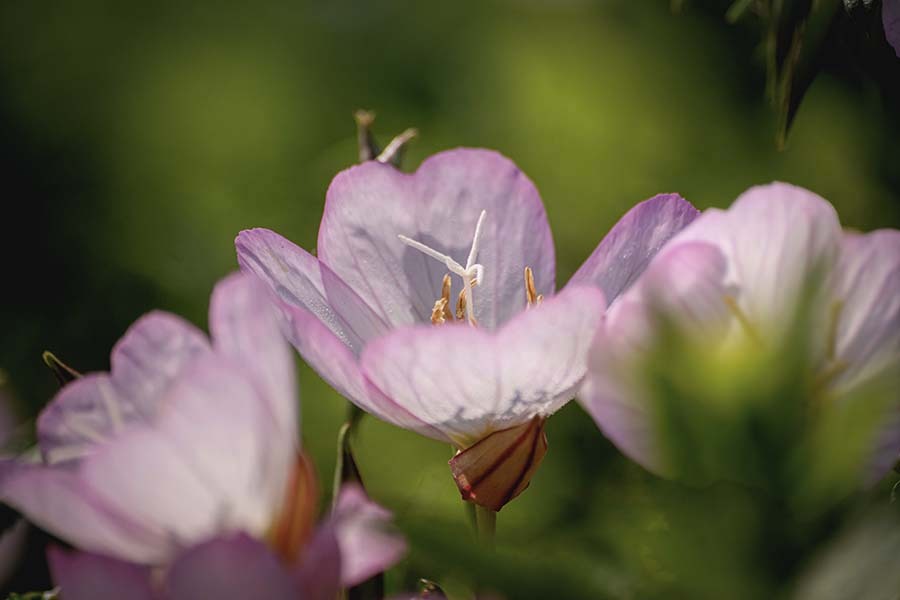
485	525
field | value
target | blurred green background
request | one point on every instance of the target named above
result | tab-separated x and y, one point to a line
138	139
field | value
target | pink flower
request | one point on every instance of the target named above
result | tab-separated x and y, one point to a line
183	460
737	276
431	304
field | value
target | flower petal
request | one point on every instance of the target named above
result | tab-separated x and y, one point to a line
150	355
236	567
59	501
867	285
468	382
245	327
85	576
327	341
629	246
685	282
369	205
337	365
296	278
367	544
776	238
208	466
319	573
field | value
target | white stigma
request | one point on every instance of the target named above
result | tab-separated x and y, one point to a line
471	274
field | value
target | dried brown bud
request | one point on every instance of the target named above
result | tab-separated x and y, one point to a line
499	467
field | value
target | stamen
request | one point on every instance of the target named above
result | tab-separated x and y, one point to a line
471	274
461	305
437	313
531	294
462	308
445	296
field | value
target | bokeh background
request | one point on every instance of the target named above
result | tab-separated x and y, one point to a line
137	139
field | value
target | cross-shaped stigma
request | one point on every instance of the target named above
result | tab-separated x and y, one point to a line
471	274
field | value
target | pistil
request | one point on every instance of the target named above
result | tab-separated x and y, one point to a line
471	274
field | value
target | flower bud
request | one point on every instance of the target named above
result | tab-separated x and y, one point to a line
499	467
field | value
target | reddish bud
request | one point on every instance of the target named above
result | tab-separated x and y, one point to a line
499	467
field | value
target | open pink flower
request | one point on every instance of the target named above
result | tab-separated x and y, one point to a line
431	304
187	452
739	274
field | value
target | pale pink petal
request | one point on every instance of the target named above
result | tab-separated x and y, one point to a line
338	366
58	501
685	282
368	545
245	327
206	467
629	246
295	277
84	413
468	382
328	342
150	355
237	567
369	205
776	239
85	576
867	286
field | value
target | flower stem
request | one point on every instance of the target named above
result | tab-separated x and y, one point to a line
485	525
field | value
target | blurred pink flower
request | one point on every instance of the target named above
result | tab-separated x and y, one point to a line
184	460
740	274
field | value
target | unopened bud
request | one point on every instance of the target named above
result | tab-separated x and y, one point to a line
499	467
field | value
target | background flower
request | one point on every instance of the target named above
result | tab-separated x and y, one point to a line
187	441
745	280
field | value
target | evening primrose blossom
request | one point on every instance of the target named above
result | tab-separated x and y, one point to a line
185	459
376	313
736	277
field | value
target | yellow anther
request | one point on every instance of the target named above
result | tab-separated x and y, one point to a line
461	305
439	311
531	295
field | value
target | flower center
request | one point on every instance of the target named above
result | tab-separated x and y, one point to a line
471	274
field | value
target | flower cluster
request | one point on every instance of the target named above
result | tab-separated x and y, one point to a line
431	303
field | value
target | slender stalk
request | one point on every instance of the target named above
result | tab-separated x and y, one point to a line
485	525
